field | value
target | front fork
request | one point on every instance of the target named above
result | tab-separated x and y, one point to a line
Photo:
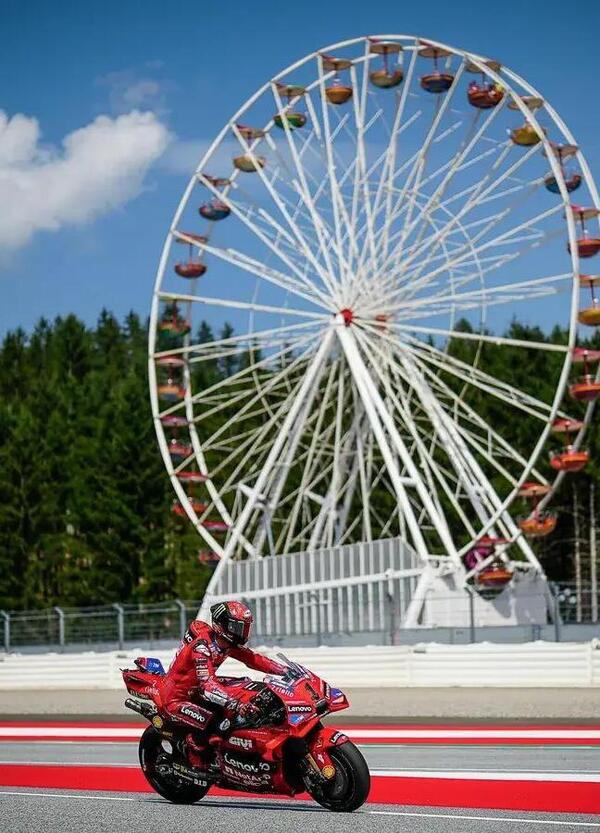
319	765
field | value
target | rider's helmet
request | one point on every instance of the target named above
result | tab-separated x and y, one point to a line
232	621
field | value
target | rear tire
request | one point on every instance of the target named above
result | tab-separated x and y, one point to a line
178	793
349	789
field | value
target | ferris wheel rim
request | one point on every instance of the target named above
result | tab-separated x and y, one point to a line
562	384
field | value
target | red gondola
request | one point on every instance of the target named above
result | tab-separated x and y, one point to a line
484	94
337	92
566	426
215	526
533	489
170	362
586	246
208	558
190	269
172	422
386	77
191	477
179	451
436	81
197	506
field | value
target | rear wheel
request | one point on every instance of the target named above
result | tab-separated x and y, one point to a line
152	754
349	789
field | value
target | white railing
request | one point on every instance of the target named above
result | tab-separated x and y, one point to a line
481	665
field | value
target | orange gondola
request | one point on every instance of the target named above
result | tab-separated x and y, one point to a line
586	389
386	77
171	392
538	524
569	459
495	577
171	323
337	92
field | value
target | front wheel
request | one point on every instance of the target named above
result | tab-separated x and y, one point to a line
349	788
152	754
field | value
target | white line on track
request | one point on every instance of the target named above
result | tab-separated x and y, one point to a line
406	814
488	775
574	735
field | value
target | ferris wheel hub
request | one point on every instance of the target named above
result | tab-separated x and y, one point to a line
346	316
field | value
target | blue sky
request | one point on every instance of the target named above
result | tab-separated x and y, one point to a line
192	64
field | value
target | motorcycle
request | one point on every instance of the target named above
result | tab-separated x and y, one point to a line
282	748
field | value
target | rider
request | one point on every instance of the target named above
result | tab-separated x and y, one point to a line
203	648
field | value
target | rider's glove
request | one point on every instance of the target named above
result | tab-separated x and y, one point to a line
247	711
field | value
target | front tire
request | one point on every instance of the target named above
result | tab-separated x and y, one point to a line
349	789
178	792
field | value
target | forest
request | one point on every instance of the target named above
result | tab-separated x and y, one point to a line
85	504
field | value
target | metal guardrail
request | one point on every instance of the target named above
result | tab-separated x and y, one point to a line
163	624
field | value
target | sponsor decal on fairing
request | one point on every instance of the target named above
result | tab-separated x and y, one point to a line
300	709
244	743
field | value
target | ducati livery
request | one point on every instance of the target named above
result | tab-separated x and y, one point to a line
282	748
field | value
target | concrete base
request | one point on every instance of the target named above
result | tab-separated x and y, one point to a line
368	704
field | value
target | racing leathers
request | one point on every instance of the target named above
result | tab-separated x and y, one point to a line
191	675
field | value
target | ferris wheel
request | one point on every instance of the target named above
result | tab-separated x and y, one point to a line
333	350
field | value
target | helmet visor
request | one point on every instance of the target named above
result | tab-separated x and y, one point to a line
238	630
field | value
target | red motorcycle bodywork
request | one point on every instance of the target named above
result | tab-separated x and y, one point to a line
253	760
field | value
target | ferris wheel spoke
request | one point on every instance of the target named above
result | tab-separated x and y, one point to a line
479	193
476	377
254	339
428	464
506	293
268	242
459	162
228	303
304	192
470	249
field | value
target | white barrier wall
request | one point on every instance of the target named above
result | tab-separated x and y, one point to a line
530	664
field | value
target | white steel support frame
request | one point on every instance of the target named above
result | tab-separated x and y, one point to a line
359	246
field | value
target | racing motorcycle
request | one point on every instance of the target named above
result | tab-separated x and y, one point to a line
281	748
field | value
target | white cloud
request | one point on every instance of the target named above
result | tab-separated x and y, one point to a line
100	167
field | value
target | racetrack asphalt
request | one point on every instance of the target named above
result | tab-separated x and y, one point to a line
38	811
51	810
